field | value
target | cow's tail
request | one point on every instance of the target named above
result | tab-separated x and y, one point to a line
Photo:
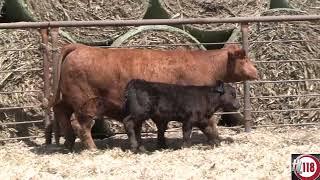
57	73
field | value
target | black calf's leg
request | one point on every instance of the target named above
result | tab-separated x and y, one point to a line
129	126
137	130
162	127
187	129
211	131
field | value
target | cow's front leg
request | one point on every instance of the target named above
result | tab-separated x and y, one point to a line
82	127
187	130
129	125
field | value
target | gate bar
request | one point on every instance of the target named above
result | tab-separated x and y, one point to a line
158	21
45	52
246	85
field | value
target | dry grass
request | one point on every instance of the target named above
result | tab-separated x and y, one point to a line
214	8
263	154
271	51
310	6
89	10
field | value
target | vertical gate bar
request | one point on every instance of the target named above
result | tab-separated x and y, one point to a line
246	85
55	58
46	71
55	54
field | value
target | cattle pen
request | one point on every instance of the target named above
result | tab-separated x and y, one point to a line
49	47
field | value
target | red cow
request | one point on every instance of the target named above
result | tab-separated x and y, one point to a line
91	80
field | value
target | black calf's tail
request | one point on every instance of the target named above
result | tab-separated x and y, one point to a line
129	91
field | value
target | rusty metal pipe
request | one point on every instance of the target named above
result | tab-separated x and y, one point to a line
246	85
158	21
47	121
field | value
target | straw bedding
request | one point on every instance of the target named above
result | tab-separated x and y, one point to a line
286	71
214	8
89	10
263	154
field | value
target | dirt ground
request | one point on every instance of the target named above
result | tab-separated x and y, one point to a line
263	154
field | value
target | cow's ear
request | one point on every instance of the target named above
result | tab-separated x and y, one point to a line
220	87
236	54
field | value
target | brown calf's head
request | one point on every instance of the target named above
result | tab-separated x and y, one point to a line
228	99
239	66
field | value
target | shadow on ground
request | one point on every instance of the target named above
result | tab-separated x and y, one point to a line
174	142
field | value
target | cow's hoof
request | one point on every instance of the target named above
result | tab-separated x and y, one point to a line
186	145
69	145
162	146
228	140
142	149
214	143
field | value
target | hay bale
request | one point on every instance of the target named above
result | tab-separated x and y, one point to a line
284	71
207	8
157	37
310	6
51	10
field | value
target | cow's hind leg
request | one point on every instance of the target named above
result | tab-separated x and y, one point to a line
62	114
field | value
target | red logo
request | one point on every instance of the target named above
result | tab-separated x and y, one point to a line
306	167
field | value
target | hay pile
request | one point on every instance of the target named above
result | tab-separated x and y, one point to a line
310	6
49	10
213	8
286	71
252	156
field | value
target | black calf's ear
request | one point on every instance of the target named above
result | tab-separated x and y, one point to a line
220	87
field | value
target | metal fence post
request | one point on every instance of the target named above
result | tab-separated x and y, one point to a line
246	86
46	71
55	58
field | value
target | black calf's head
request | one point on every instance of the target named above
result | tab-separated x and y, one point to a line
228	99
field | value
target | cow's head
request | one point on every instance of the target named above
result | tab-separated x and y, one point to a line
239	66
